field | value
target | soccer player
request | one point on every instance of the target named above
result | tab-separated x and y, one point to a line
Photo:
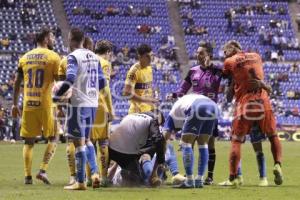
205	79
105	112
70	149
256	139
138	83
138	137
197	116
114	172
38	69
251	106
85	76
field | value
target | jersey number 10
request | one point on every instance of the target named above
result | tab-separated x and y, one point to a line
37	76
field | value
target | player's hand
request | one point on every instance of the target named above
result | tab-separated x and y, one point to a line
60	113
269	90
110	117
152	100
15	112
254	84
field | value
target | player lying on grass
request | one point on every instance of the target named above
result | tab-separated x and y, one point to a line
197	116
251	106
147	164
138	138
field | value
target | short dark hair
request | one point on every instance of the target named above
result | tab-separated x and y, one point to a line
103	46
235	44
207	46
88	42
77	35
143	49
42	34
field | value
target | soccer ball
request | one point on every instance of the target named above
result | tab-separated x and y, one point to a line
67	95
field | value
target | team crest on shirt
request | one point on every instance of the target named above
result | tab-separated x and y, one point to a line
89	56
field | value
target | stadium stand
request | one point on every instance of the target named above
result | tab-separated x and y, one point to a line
19	22
262	27
128	23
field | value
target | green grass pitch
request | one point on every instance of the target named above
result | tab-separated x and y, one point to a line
12	187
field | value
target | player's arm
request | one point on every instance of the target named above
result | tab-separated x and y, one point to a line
168	128
129	92
108	101
72	68
107	93
18	81
185	85
101	77
257	84
160	147
129	89
227	69
62	70
229	91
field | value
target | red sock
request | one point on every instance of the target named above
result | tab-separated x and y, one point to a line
276	148
235	157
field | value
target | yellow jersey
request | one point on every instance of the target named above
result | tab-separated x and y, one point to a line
39	66
105	98
62	70
140	79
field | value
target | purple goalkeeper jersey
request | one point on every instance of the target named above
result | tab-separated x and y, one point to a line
202	81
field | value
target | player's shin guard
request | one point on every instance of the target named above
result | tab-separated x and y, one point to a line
211	162
27	156
234	160
188	160
276	149
71	158
261	164
80	157
202	161
48	155
171	160
91	157
104	157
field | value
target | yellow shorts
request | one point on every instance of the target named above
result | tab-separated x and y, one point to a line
38	122
100	130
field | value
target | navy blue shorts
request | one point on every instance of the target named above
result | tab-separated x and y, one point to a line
256	135
80	121
201	118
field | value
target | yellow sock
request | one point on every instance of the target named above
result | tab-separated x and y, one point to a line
27	157
103	152
48	155
71	158
88	171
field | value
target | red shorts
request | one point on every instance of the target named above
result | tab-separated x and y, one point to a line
242	126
